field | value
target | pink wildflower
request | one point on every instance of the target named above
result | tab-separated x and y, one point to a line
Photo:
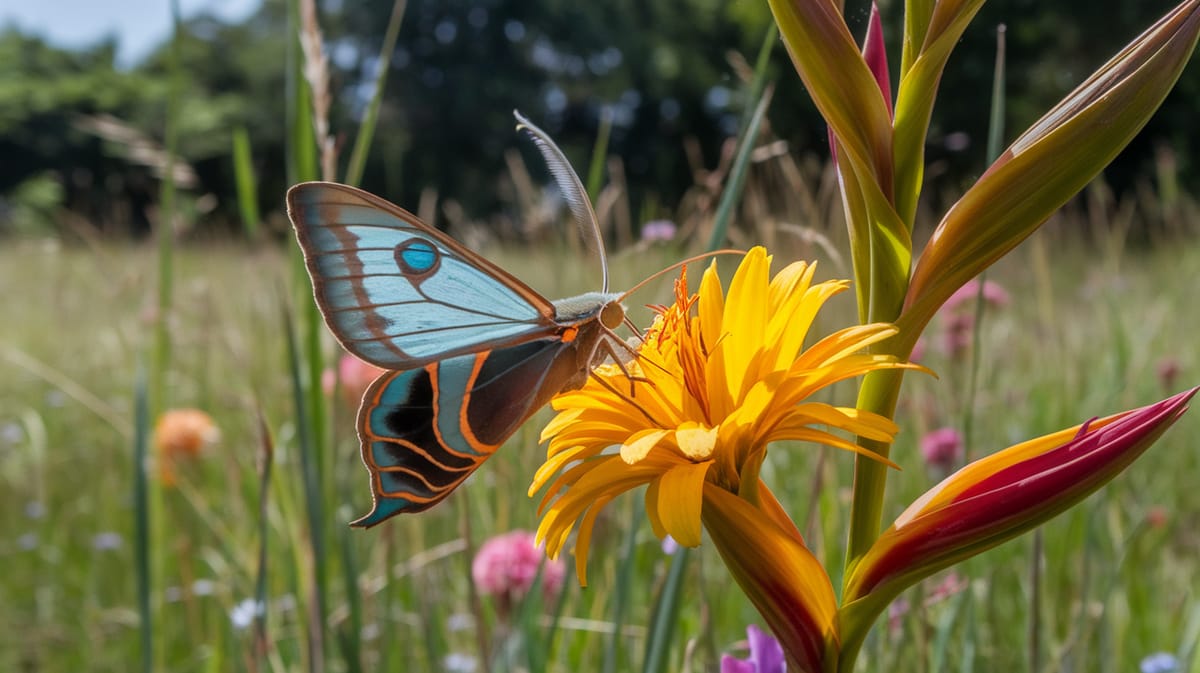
1168	370
957	331
506	566
354	375
1157	516
942	448
658	230
918	351
993	294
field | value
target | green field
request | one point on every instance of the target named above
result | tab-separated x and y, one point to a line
1083	337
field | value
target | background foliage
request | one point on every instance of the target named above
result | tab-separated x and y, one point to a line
668	73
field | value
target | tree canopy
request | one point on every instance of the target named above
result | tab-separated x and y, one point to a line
82	136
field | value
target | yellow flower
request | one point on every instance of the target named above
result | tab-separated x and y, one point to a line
717	378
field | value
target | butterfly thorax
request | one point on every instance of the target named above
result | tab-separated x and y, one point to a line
589	305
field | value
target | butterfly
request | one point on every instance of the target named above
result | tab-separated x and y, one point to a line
472	351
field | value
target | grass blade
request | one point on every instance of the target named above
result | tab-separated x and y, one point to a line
737	173
301	148
141	522
624	587
314	502
595	175
166	218
366	131
939	653
665	615
350	635
266	458
247	188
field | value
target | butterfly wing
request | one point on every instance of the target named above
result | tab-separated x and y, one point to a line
424	431
399	293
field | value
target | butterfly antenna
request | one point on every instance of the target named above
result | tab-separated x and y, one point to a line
571	187
676	265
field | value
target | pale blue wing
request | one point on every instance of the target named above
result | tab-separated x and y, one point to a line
400	294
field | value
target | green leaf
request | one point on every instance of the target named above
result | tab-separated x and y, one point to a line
840	83
1050	163
916	95
247	191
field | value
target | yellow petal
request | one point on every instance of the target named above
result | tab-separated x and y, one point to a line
554	464
638	446
792	279
745	319
858	422
583	540
805	434
844	342
656	523
790	323
562	420
680	495
696	441
711	305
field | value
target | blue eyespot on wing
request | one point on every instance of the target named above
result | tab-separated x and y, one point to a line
400	294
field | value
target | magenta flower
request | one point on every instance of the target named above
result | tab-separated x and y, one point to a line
1168	370
506	566
957	332
353	374
918	351
766	655
942	448
993	294
658	230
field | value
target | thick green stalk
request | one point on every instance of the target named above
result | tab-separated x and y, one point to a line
879	392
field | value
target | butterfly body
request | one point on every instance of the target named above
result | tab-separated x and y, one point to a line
473	351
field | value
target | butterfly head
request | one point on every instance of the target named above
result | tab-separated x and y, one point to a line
604	306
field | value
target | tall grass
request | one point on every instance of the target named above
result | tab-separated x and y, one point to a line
1053	357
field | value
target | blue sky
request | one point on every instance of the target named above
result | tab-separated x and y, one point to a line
139	25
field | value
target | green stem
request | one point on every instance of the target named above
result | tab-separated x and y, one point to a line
362	142
879	392
141	521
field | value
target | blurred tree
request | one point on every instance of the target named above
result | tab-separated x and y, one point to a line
462	66
233	76
663	70
45	93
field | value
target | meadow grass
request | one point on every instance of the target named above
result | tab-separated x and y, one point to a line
1083	337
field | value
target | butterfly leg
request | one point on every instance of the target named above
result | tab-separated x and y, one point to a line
613	389
607	345
633	328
